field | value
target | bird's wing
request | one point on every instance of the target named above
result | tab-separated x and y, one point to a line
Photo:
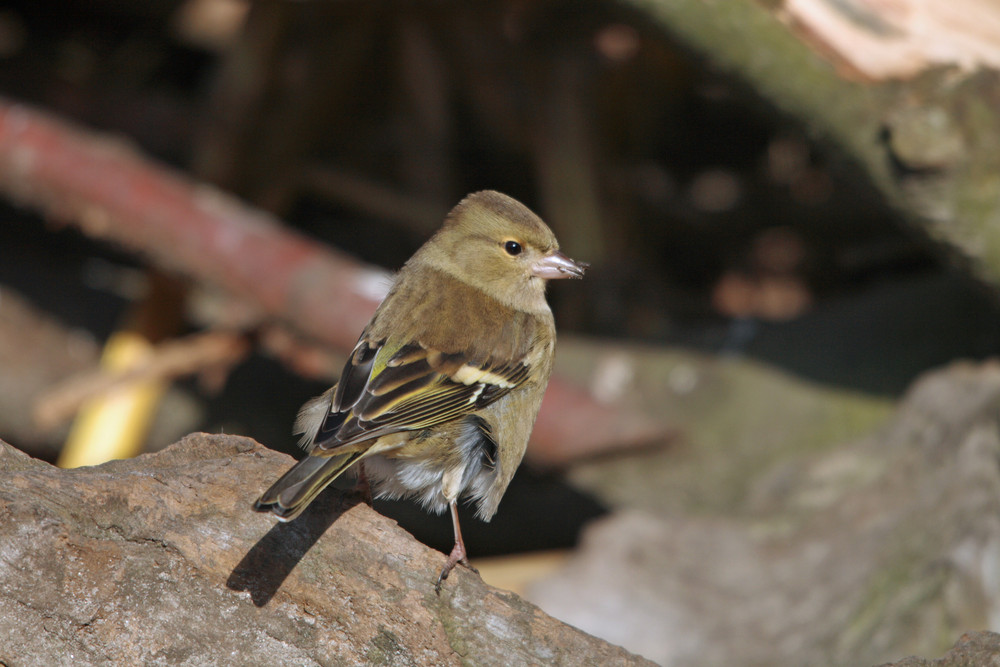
388	386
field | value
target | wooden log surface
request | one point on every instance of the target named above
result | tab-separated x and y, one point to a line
160	560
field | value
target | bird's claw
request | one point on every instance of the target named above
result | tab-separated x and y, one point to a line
456	556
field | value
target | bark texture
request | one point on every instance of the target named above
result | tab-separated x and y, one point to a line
159	560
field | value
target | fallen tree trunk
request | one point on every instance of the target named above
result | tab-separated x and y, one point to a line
159	560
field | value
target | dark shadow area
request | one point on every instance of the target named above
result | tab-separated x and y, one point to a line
269	562
876	340
879	340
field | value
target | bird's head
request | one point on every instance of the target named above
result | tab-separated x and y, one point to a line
495	243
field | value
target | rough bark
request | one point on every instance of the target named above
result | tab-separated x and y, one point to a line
159	560
972	648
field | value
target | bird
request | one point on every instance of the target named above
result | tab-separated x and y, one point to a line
437	400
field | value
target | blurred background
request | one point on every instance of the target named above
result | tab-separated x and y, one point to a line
752	295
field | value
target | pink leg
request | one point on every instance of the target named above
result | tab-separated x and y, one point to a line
457	554
363	486
362	489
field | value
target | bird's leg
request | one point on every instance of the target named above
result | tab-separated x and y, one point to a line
457	554
362	488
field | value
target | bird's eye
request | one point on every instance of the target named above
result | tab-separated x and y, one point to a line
512	247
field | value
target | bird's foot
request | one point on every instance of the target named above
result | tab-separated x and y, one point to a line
456	556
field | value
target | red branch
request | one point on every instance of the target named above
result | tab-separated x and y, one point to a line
113	193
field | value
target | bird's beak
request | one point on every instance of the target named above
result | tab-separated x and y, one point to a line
557	265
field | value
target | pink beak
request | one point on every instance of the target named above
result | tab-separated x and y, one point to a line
557	265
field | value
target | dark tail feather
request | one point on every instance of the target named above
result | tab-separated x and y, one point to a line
293	492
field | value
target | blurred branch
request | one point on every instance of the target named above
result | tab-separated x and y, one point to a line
113	193
564	144
573	426
898	90
201	352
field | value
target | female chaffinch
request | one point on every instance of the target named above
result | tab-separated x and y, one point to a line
439	396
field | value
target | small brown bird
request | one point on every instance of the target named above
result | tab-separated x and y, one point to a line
441	392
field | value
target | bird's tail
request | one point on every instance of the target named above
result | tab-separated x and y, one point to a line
298	487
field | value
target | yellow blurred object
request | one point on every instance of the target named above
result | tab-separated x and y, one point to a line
518	571
114	426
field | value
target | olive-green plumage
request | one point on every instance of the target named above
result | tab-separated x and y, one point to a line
441	392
